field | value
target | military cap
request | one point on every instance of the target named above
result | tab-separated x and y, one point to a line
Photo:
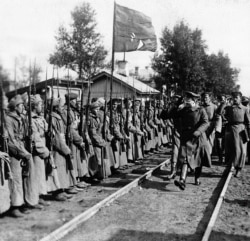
16	100
191	95
56	102
204	94
25	97
71	96
221	96
94	99
244	99
94	105
127	100
35	99
236	93
100	101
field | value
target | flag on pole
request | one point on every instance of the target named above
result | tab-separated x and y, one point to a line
133	31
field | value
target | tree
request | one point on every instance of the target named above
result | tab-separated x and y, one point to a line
26	72
221	77
80	49
4	78
183	63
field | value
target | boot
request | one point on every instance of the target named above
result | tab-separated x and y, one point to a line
173	171
197	174
182	183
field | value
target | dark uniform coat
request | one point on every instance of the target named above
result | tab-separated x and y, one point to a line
17	151
192	148
237	128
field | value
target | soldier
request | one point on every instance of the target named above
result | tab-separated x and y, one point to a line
18	154
245	102
60	181
76	141
138	134
130	129
210	108
194	122
176	102
220	127
95	134
40	151
5	172
118	143
237	133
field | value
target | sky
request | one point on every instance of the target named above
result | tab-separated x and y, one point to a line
28	28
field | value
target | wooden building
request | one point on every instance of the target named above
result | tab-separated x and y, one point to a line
123	87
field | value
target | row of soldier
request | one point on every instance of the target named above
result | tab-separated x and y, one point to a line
63	158
69	159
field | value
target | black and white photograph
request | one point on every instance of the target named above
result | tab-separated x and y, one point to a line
124	120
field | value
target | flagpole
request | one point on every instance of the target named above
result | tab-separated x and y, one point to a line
112	63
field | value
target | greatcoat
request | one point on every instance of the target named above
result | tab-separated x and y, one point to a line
17	151
237	129
193	149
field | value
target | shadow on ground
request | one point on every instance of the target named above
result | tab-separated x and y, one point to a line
128	235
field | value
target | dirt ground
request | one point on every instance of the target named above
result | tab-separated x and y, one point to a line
233	223
155	211
39	223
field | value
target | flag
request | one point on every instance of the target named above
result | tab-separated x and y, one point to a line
133	31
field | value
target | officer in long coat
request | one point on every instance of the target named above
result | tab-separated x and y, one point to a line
237	133
194	122
220	128
210	108
18	153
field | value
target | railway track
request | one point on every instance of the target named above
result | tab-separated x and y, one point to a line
141	205
78	228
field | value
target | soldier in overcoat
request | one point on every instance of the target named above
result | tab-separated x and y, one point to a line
36	181
76	141
5	172
210	108
95	134
18	153
194	122
237	133
61	180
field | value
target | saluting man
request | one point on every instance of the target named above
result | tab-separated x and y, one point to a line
194	122
237	133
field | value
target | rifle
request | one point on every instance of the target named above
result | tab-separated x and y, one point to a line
126	125
123	149
104	136
156	129
50	165
45	97
68	131
25	163
135	135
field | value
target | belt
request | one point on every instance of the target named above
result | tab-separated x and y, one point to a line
235	123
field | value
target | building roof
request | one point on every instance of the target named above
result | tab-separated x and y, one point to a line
129	81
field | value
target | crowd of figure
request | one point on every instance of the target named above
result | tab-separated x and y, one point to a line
71	149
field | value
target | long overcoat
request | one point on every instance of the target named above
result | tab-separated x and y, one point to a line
17	151
237	129
193	150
